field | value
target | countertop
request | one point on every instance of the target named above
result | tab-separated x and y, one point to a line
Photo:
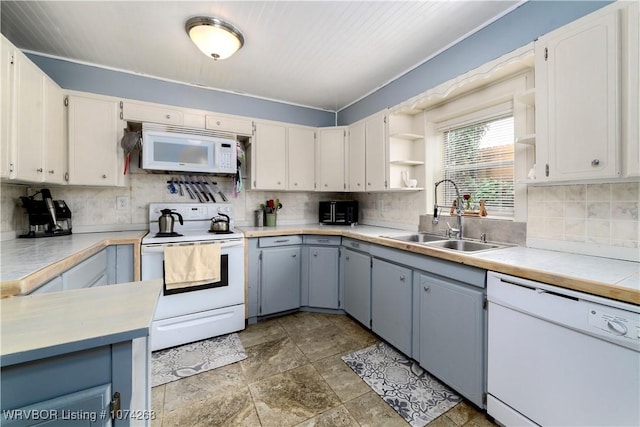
26	264
606	277
45	325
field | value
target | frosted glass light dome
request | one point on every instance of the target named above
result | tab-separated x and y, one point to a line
214	37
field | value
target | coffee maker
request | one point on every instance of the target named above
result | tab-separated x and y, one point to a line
47	217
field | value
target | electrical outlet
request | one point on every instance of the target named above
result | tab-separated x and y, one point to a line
122	203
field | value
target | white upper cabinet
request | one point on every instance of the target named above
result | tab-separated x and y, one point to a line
143	112
367	148
33	147
6	108
269	157
582	75
375	153
54	143
301	158
330	159
94	132
356	150
229	124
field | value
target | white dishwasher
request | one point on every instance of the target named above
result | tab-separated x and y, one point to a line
557	357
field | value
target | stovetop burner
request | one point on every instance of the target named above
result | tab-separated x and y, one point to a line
172	234
221	232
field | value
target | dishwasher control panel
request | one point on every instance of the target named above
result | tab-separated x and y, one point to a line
615	323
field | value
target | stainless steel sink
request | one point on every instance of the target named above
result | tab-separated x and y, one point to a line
418	238
463	245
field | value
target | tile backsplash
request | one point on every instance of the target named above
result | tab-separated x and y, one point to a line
591	214
95	208
597	215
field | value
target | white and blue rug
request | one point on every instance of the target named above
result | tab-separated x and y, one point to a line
414	394
180	362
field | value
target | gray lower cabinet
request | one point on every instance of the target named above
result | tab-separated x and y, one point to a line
391	304
320	287
356	268
279	279
451	334
111	265
76	389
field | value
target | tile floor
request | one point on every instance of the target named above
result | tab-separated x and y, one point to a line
293	376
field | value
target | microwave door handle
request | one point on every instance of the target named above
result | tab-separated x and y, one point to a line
333	212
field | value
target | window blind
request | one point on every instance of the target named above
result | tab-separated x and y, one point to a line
479	157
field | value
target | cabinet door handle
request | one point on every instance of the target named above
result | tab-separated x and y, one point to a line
402	278
595	162
427	288
104	176
315	254
293	256
52	171
347	258
39	170
168	116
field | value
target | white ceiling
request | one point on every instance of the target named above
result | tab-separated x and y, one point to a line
321	54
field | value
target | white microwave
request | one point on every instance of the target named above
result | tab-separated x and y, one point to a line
182	152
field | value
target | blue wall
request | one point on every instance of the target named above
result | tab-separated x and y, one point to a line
74	76
523	25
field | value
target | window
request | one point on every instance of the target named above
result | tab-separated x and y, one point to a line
479	157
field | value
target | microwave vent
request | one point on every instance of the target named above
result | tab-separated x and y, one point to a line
159	127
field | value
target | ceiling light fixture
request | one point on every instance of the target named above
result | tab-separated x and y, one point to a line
214	37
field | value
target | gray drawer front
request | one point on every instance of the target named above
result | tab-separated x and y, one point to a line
266	242
87	272
356	245
322	240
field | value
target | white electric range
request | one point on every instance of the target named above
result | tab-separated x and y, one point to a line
202	311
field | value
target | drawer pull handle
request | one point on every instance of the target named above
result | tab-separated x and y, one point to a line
281	241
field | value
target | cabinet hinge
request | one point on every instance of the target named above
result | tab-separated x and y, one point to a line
260	256
384	119
484	304
114	406
385	183
484	399
121	105
371	262
546	53
12	60
254	183
546	169
370	324
344	186
66	101
344	133
253	128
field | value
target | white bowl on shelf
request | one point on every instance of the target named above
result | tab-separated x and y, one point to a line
411	183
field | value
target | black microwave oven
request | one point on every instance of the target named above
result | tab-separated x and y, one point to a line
339	212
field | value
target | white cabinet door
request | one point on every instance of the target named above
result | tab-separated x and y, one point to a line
357	141
7	51
269	157
54	144
28	124
578	93
94	141
331	152
230	124
150	113
375	164
301	158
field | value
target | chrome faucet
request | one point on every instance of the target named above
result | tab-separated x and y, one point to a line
457	231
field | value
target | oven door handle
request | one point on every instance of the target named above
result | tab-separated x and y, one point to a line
159	247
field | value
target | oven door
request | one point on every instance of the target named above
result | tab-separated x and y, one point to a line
229	291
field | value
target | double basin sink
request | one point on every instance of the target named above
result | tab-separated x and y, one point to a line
435	241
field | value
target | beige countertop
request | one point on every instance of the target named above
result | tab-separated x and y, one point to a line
26	264
45	325
606	277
